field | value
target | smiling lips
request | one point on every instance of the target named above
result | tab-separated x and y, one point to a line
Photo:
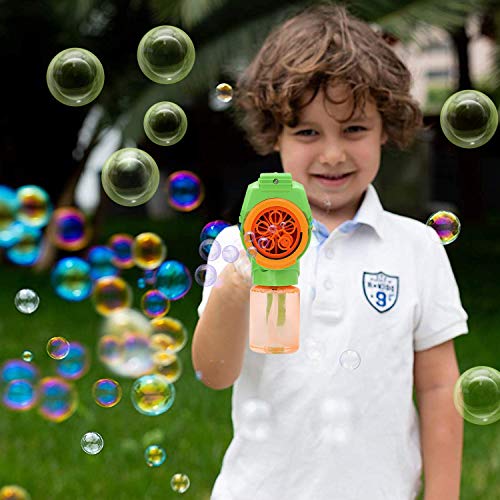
330	180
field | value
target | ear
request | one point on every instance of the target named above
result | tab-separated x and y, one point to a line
384	138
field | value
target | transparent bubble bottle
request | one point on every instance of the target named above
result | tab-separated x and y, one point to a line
275	227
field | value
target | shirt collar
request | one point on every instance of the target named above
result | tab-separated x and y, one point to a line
369	213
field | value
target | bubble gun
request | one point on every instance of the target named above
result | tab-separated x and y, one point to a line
275	227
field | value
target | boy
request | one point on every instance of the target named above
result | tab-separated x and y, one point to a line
327	93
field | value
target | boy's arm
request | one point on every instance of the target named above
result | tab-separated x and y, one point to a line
221	334
441	426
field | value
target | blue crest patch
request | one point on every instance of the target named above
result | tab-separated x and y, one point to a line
381	290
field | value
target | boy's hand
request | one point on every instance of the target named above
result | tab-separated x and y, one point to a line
240	271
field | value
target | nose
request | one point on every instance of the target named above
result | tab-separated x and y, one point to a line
332	153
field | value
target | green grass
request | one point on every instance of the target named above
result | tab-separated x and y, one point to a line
46	458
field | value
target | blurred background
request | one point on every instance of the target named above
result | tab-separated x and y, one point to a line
449	46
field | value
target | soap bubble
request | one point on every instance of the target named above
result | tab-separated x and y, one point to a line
173	279
69	229
477	395
141	283
165	123
9	205
35	208
107	392
350	359
75	364
166	54
469	119
110	349
111	294
179	483
57	347
130	177
205	275
169	334
224	92
26	301
256	419
14	492
155	455
152	394
27	249
27	356
185	191
100	259
150	276
16	369
71	279
207	246
10	234
121	244
92	443
57	399
148	250
169	365
155	304
446	225
230	253
212	229
19	395
75	77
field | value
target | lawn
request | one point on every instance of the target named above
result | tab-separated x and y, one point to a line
46	457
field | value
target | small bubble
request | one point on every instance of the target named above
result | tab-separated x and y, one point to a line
26	301
92	443
350	359
155	455
224	92
27	356
180	483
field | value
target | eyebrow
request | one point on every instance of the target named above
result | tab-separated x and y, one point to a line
356	118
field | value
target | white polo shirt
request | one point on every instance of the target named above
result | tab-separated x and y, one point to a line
380	285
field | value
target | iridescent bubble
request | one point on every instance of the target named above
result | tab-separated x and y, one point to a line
14	492
130	177
11	234
350	359
101	259
173	279
69	229
150	276
179	483
19	395
27	356
16	369
35	208
92	443
75	77
57	399
57	347
111	294
169	365
26	251
107	392
207	246
477	395
121	244
9	205
71	279
205	275
141	283
446	225
230	253
110	349
166	54
165	123
185	191
155	455
148	250
75	364
169	334
224	92
26	301
256	419
155	304
469	119
152	394
212	229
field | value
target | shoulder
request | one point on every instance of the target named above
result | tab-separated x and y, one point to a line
410	231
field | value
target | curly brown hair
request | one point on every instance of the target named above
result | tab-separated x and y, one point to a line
320	46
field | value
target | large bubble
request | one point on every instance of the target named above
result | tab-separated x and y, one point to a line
173	279
19	395
35	208
27	249
101	260
130	177
121	244
57	399
75	77
71	279
152	394
111	294
166	54
148	250
169	334
69	229
185	191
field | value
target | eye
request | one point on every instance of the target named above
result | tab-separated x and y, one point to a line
354	129
306	132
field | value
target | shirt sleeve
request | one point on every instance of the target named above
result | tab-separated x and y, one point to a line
228	236
441	315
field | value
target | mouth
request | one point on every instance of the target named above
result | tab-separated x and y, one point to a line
333	180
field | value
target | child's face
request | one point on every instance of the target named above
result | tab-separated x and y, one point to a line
321	146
